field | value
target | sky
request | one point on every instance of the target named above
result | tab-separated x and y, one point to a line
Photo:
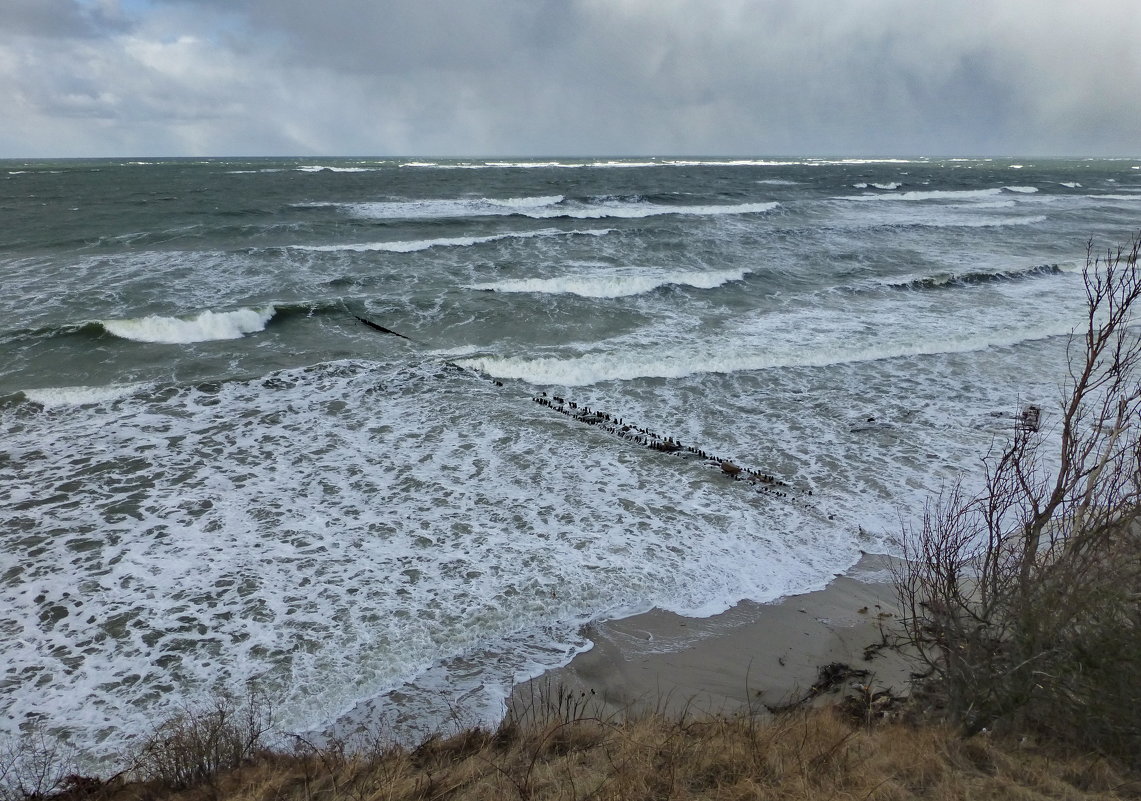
85	78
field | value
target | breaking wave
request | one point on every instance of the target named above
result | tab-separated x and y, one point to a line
945	280
413	245
614	285
53	397
205	327
542	208
946	194
680	361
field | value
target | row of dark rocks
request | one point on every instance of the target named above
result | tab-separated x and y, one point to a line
764	482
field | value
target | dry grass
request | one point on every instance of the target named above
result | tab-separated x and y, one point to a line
807	754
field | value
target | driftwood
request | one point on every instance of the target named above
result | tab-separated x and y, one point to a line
381	328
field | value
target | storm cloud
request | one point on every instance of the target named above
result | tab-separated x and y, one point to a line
544	77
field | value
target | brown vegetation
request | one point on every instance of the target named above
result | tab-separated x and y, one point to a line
807	754
1025	599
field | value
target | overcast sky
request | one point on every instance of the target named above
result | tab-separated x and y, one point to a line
570	77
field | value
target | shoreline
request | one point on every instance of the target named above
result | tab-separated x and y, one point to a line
752	656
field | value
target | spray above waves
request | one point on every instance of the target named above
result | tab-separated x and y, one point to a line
413	245
614	284
542	208
205	327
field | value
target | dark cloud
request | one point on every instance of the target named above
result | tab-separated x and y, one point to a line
51	19
573	76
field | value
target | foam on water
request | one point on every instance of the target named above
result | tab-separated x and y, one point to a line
384	525
614	284
850	329
338	531
205	327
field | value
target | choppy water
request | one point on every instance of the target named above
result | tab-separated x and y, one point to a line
212	473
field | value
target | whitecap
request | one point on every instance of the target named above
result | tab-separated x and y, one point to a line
53	397
542	208
613	285
322	168
413	245
681	361
205	327
933	194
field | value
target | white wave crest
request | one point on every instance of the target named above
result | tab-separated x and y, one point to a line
205	327
639	210
614	285
413	245
945	194
527	202
540	208
321	168
681	361
53	397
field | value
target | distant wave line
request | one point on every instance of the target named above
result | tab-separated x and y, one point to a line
946	280
943	194
614	285
413	245
543	209
593	368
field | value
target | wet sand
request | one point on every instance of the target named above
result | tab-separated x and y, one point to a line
752	656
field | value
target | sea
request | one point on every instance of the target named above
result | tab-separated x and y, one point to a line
389	434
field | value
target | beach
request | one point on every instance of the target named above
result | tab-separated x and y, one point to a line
747	659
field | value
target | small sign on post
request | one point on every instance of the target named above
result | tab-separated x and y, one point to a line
1030	418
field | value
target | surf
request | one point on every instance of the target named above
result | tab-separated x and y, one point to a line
207	326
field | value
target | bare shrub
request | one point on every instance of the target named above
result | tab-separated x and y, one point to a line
35	766
1023	600
197	745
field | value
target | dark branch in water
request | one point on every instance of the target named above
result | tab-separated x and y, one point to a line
381	328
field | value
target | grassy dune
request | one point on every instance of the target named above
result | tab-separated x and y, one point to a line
814	753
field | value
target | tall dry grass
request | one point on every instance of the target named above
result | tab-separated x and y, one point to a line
820	753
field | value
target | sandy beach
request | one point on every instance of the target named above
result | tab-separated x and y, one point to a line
753	655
